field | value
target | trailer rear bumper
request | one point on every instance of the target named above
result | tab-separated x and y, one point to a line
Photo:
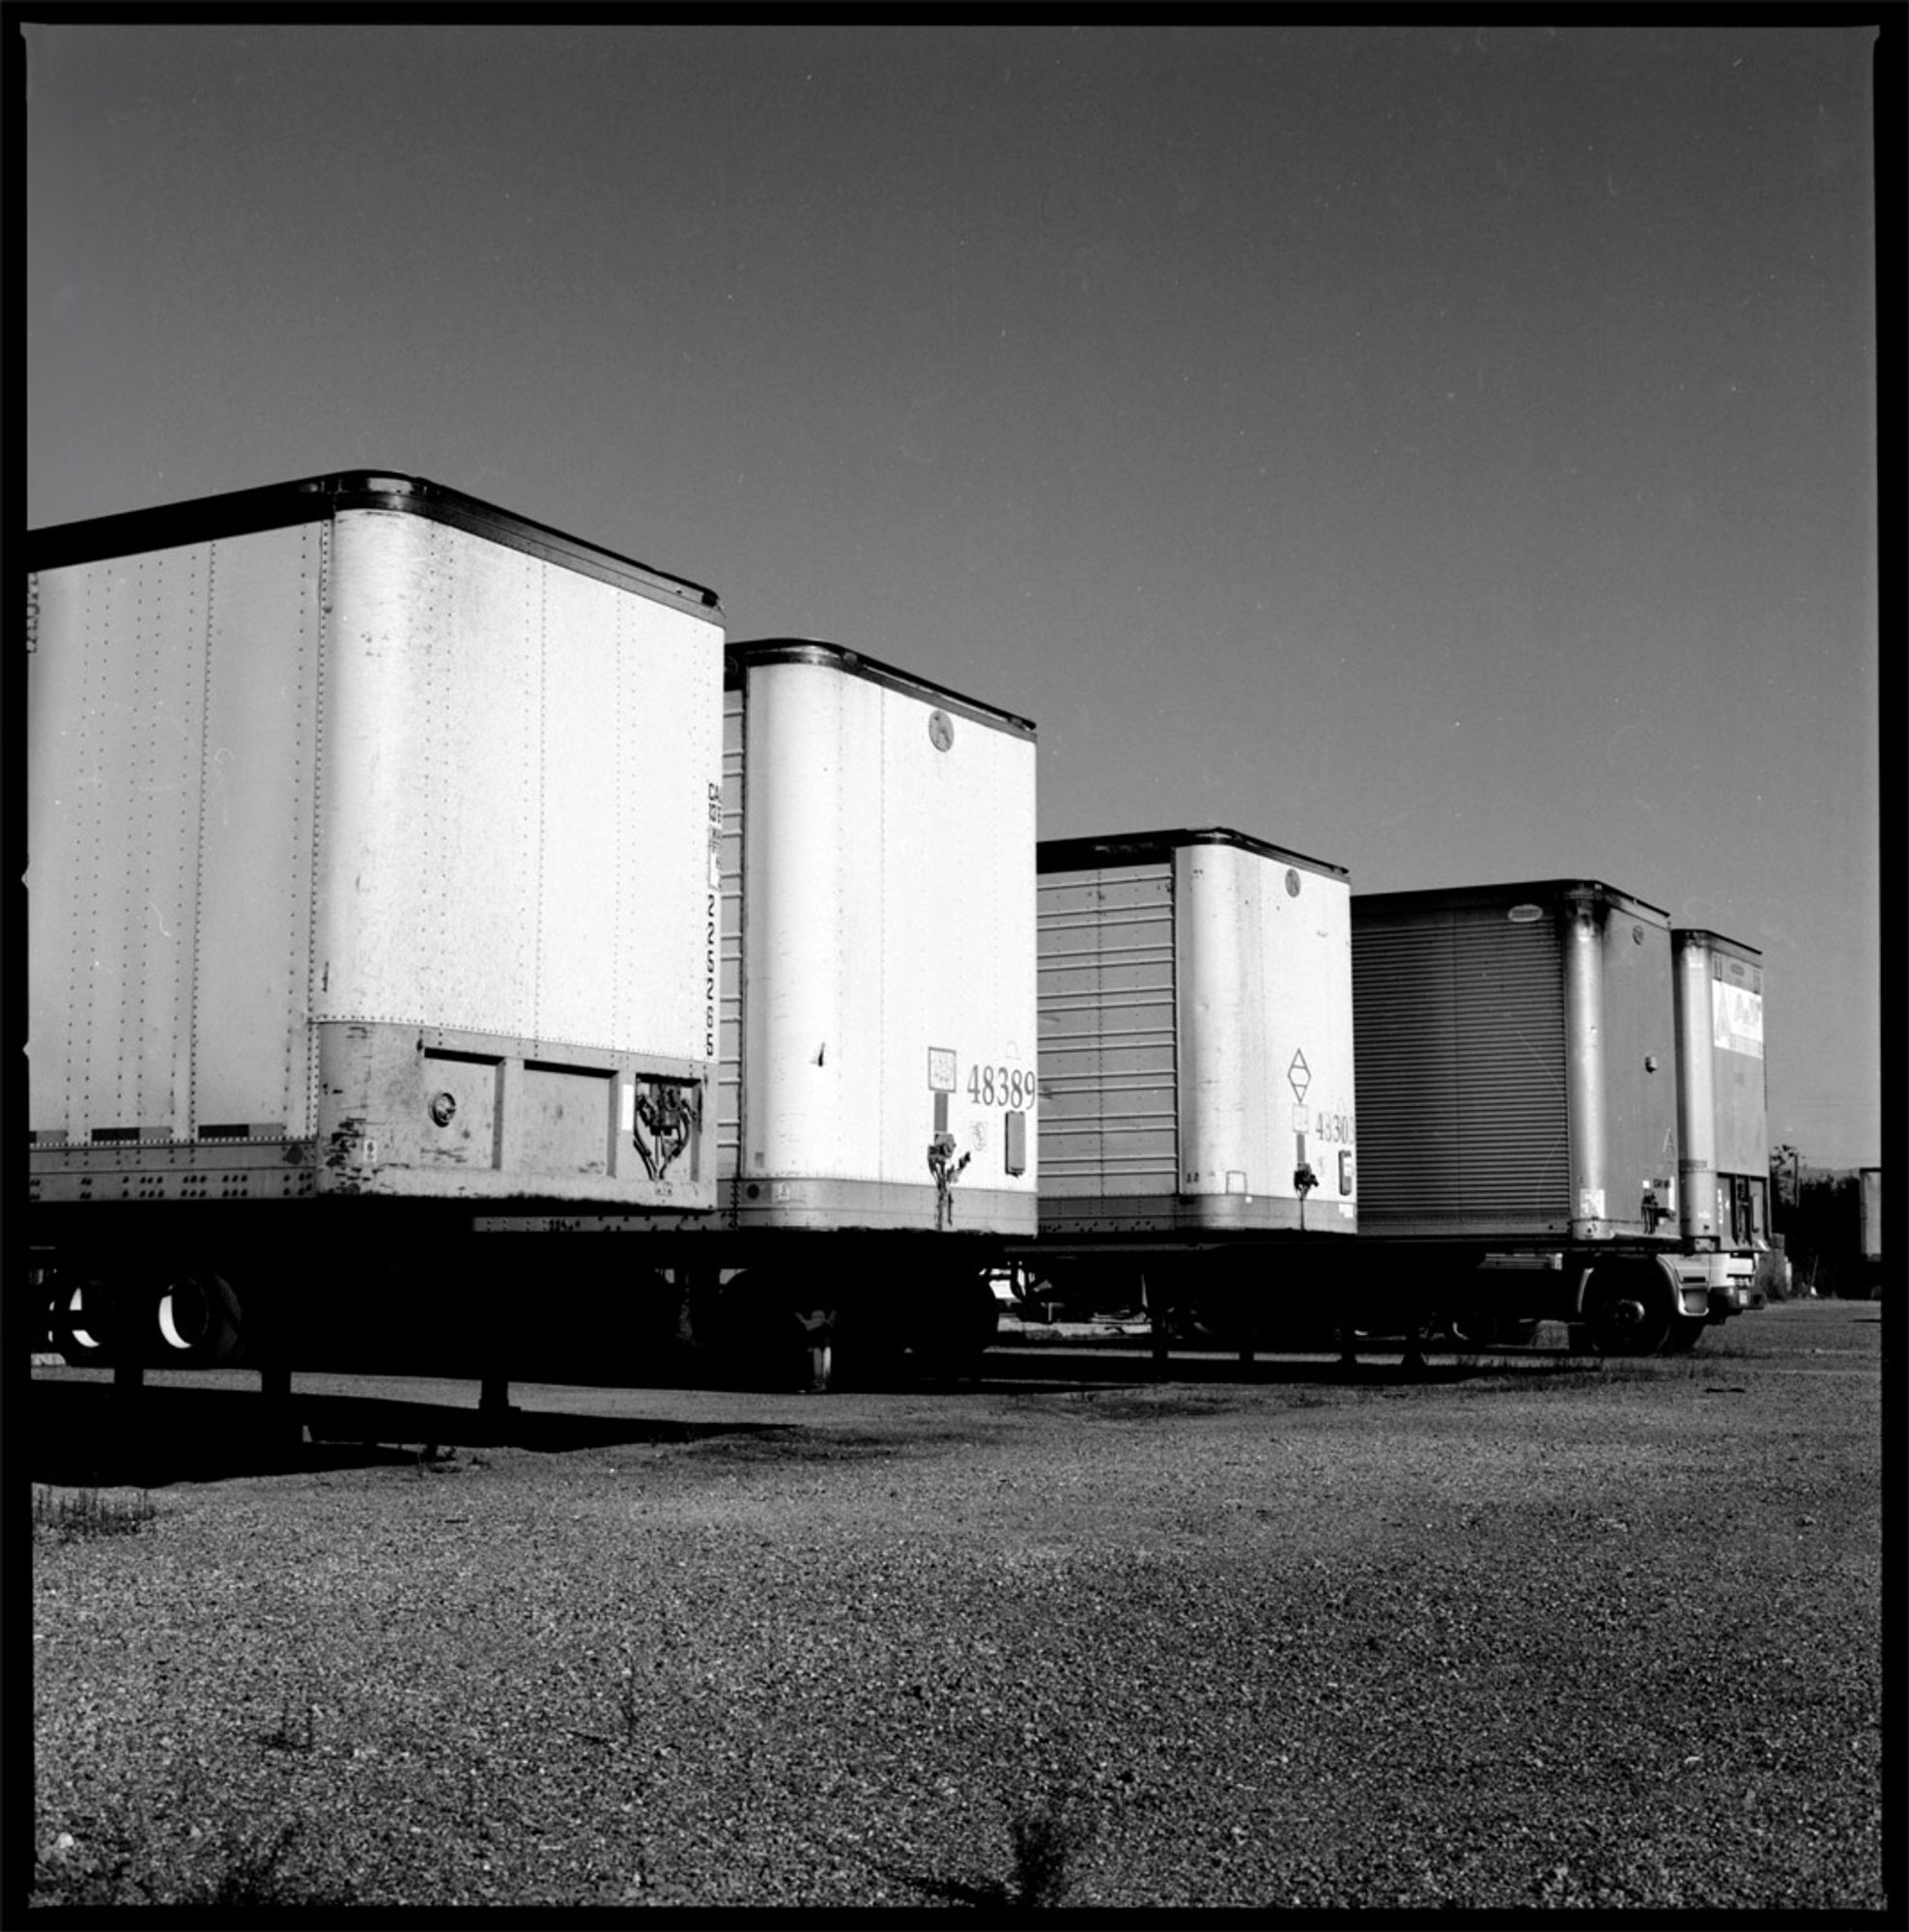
1716	1285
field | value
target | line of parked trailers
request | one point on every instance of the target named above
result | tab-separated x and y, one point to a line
407	878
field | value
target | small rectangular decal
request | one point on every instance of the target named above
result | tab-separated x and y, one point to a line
941	1069
1736	1020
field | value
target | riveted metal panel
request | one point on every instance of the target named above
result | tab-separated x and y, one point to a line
1109	1033
516	797
254	1058
171	731
729	1065
417	769
455	1114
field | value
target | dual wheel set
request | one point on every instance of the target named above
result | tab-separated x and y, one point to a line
186	1317
1629	1307
772	1322
190	1317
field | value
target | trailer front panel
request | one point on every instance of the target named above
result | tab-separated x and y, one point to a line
1196	1040
884	1020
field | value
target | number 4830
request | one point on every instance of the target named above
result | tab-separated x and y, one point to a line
1000	1087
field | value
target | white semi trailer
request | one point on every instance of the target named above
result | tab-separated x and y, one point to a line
371	881
1197	1123
873	1130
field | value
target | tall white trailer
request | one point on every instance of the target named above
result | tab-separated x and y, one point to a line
1196	1066
1722	1119
371	880
884	1067
875	1143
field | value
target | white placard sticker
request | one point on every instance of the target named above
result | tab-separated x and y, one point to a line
941	1069
1736	1016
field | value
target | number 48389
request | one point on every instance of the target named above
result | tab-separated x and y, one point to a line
1000	1087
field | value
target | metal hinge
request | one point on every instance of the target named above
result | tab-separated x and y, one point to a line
32	612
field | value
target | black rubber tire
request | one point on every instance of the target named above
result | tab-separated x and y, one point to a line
81	1319
1631	1306
195	1318
1470	1325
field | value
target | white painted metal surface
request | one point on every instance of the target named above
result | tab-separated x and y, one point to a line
515	794
1723	1117
1266	1026
172	733
375	768
886	941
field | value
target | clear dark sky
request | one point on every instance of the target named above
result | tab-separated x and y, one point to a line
1447	452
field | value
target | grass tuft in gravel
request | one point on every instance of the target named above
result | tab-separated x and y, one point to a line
1048	1838
296	1730
630	1706
87	1514
125	1863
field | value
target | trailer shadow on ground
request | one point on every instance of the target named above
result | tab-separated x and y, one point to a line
83	1435
85	1432
1052	1366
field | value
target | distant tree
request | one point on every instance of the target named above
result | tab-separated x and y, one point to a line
1785	1174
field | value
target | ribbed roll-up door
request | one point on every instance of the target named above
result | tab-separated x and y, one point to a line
1459	1051
729	1051
1108	1038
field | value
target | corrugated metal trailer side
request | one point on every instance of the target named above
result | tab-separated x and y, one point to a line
1460	1042
1109	1036
1517	1084
1516	1065
371	859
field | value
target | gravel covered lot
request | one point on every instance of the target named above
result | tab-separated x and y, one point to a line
1526	1635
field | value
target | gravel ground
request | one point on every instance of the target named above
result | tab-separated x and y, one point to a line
1533	1635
